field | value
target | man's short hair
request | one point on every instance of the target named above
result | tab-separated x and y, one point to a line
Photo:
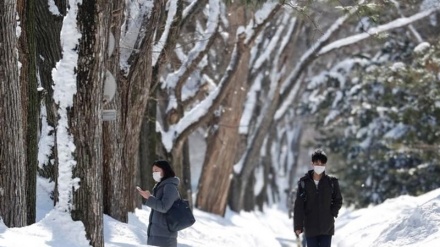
319	155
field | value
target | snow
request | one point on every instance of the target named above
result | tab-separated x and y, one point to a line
158	47
131	29
376	30
53	8
404	221
200	47
46	140
422	47
64	79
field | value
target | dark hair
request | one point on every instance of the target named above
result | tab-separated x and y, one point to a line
320	155
166	168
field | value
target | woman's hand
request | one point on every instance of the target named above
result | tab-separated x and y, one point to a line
145	194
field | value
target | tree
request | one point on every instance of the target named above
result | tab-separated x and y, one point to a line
371	113
47	36
122	137
388	142
85	117
222	141
284	91
30	101
13	201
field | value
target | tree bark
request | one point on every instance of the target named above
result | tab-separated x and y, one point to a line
122	137
93	24
30	101
251	158
147	146
115	171
13	203
47	36
221	151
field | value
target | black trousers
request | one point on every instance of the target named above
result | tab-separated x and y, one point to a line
319	241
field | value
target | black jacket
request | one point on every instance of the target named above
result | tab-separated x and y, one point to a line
315	208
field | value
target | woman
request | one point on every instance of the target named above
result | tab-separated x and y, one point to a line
164	194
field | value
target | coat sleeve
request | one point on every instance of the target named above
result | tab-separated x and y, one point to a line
337	198
170	195
298	210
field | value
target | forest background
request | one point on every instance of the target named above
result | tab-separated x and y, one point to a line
93	92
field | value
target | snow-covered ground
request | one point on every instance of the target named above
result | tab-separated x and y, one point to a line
403	221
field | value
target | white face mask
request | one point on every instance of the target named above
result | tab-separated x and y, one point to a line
319	169
157	177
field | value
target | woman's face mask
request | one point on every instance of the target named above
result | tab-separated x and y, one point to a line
157	176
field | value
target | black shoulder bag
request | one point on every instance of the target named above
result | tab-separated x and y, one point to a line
179	216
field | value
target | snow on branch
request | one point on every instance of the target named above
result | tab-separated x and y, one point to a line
310	54
374	31
273	43
177	79
191	9
199	113
261	18
158	47
133	30
411	27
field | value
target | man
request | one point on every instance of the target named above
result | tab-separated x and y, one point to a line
317	203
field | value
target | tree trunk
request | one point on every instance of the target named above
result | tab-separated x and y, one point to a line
136	89
115	170
180	162
93	24
221	153
47	36
147	147
121	163
13	203
30	101
252	156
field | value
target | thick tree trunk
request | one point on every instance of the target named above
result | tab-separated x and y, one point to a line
252	156
115	170
221	153
47	36
30	101
13	203
136	89
86	126
122	137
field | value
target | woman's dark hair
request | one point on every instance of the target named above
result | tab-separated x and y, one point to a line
318	154
166	168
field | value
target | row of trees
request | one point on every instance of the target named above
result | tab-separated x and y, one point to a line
381	115
233	70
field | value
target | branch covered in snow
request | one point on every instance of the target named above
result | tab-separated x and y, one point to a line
133	32
196	116
177	79
170	30
262	17
404	21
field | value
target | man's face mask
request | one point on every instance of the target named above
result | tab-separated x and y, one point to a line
319	169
